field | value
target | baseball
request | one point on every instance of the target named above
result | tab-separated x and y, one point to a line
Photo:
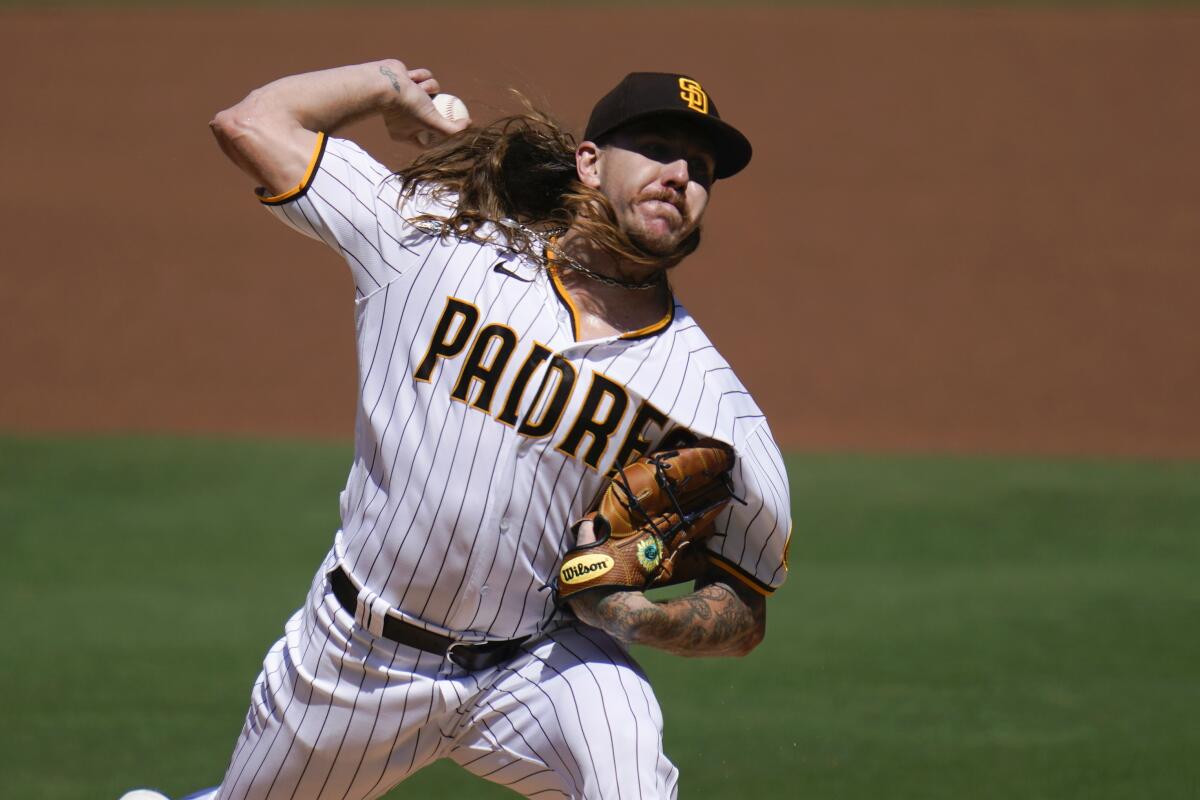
449	107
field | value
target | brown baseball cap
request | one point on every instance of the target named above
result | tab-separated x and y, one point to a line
642	95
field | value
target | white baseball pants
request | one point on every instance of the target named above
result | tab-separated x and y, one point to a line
339	713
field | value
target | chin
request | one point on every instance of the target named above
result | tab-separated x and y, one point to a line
656	246
669	249
660	240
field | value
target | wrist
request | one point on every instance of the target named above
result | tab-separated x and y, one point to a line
387	76
374	87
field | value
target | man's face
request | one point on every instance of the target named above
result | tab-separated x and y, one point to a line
657	178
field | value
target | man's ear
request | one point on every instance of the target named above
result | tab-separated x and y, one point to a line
587	164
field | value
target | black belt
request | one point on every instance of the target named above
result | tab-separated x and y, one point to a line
468	656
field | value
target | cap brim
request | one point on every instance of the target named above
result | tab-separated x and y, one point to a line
732	150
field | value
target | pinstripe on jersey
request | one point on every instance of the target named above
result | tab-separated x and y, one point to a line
484	428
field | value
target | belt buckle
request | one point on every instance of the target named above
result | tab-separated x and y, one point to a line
462	659
475	656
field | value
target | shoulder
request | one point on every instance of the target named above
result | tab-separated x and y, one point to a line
347	162
353	156
424	207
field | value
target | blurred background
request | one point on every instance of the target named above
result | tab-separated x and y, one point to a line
960	276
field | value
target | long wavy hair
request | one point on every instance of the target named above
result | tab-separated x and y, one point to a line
522	168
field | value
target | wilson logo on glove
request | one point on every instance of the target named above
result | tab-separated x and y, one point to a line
585	568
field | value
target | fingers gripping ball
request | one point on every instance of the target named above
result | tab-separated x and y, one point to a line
651	519
449	107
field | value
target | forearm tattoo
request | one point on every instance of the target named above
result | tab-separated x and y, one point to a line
392	76
712	621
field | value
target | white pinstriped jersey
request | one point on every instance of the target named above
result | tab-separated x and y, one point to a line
484	428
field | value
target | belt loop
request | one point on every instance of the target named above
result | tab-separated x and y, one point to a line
371	612
379	612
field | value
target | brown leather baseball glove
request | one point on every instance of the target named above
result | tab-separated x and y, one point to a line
651	520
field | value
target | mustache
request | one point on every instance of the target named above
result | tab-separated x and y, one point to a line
667	196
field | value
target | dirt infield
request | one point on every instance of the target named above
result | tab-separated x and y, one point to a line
963	230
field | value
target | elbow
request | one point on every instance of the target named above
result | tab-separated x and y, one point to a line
751	640
242	128
232	135
246	134
224	125
231	138
233	126
754	627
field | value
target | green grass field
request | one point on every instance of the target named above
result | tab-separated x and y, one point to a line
952	628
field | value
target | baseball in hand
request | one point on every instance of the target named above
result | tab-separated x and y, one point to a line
449	107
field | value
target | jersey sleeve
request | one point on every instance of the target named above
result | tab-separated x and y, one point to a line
351	202
757	533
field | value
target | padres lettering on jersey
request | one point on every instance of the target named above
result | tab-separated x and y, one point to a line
485	428
482	373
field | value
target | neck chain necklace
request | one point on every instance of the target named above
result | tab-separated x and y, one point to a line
554	255
558	257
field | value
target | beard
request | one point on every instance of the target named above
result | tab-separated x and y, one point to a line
666	254
600	225
666	249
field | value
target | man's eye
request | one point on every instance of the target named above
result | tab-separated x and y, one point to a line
656	151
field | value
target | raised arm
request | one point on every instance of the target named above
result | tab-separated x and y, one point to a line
272	133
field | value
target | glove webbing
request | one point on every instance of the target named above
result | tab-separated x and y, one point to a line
686	519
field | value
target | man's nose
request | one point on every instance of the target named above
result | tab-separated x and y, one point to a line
675	173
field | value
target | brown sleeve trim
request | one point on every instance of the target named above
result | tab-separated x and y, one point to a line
741	575
297	191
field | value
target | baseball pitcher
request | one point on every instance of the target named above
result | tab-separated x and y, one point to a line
543	432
